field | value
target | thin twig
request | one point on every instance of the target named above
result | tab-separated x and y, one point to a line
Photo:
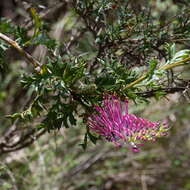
169	90
27	56
50	13
23	142
165	67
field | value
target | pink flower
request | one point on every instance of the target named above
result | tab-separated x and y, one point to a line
115	124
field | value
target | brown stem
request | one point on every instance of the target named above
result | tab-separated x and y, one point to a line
165	67
27	56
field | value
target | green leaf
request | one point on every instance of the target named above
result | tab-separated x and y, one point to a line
179	56
72	119
105	81
44	39
152	65
92	137
84	144
14	116
37	21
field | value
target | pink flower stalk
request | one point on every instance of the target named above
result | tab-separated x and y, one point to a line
115	124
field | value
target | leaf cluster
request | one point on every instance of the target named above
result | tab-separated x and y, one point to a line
115	47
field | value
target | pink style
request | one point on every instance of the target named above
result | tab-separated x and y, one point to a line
113	122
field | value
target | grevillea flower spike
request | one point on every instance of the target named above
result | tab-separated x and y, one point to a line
115	124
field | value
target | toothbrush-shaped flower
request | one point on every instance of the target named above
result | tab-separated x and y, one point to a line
115	124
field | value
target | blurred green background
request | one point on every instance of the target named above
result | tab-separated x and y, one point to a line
57	162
